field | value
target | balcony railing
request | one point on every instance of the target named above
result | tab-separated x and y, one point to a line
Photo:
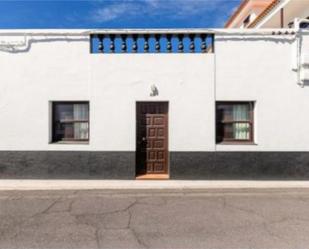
155	42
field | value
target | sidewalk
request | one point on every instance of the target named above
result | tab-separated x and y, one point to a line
146	185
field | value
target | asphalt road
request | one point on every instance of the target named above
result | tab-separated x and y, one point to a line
113	219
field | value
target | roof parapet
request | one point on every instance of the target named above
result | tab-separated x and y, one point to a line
87	32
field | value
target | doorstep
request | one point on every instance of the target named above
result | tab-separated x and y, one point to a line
148	185
152	177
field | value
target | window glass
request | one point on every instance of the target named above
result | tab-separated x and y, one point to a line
241	131
80	112
81	131
64	112
240	112
234	121
70	121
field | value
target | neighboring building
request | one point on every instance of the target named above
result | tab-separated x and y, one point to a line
268	13
246	13
179	104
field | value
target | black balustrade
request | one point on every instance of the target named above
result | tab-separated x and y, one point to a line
180	43
146	44
204	45
157	46
101	45
134	46
124	43
192	44
112	43
169	46
152	43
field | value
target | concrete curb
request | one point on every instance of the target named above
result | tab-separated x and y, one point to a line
146	185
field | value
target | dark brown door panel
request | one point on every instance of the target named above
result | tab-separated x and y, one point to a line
152	138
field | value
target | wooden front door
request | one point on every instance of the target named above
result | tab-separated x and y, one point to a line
152	138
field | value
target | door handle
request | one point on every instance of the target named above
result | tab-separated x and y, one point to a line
143	139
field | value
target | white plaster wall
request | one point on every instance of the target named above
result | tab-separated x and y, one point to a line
259	69
247	67
63	70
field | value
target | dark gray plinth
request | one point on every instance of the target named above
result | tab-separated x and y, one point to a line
183	165
240	165
66	165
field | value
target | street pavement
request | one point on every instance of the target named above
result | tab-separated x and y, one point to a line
192	219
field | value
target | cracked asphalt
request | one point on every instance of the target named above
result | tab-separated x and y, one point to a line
242	219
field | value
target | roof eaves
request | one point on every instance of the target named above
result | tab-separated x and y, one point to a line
260	17
235	14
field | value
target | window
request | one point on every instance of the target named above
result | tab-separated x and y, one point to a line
70	121
234	122
304	25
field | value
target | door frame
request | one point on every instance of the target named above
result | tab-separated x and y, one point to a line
140	102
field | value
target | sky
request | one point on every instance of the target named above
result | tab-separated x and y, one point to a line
115	13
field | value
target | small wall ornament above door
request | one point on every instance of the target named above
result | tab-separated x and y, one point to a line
154	91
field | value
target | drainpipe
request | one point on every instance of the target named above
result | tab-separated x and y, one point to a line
297	27
282	18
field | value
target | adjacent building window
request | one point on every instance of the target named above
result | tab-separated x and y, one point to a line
70	121
234	122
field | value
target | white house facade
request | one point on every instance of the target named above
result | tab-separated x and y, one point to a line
179	104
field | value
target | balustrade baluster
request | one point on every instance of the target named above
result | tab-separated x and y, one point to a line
146	44
157	46
192	44
180	43
101	45
124	43
134	46
204	45
112	44
169	43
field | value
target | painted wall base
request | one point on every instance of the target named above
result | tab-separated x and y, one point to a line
66	165
183	165
240	165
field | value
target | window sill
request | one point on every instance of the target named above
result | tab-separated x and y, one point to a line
71	142
237	143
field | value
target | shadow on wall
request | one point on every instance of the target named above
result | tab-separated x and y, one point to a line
305	83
